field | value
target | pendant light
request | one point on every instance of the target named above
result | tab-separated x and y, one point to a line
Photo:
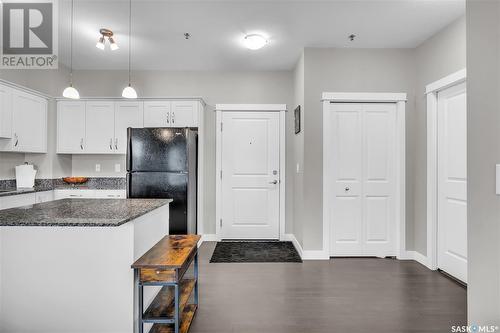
71	92
129	92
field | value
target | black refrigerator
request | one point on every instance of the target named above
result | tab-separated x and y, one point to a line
161	163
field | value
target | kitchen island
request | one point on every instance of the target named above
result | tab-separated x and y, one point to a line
65	264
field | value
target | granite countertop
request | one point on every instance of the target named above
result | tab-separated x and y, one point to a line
80	212
6	193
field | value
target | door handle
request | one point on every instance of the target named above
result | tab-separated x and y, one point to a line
17	140
274	182
347	189
81	144
116	143
111	143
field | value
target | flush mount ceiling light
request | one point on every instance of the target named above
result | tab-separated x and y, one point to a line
106	34
255	41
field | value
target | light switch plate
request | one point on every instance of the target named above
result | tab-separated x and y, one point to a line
298	168
498	178
117	167
97	168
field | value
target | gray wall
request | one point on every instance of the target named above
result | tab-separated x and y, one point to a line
483	149
298	155
346	70
214	87
439	56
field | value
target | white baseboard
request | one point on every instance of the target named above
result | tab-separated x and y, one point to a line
207	238
306	254
418	257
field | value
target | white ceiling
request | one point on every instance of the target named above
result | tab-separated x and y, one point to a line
217	28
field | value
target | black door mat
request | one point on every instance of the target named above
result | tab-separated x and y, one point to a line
255	251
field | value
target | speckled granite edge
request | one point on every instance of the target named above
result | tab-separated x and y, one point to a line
100	183
80	212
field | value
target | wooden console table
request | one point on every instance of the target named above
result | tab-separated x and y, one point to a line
165	264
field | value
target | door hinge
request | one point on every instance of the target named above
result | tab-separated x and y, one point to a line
221	174
221	127
220	223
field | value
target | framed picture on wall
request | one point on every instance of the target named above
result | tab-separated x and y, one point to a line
297	119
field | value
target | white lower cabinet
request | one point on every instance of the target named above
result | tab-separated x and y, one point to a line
89	194
44	196
18	200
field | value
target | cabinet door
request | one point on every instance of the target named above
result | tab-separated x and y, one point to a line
157	113
45	196
184	114
5	112
71	127
99	127
29	122
73	194
110	194
127	114
19	200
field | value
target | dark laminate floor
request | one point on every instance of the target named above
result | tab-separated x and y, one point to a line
340	295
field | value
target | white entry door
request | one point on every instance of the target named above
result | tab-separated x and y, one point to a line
250	175
452	181
362	178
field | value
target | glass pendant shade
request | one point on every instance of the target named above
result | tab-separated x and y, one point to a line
71	92
129	92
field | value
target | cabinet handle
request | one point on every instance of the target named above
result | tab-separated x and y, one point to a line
173	117
116	143
81	143
168	117
111	143
17	140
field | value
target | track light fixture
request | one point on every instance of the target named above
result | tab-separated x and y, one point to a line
106	34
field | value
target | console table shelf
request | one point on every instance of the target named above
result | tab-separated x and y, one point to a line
165	264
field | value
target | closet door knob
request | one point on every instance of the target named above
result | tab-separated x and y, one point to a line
347	189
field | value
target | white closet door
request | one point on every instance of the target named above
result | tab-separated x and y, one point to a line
379	131
452	181
362	211
347	152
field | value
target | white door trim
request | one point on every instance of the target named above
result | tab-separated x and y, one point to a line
219	108
400	100
432	91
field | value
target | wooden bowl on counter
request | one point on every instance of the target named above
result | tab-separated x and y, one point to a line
75	180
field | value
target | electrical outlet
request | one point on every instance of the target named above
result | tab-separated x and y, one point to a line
117	167
97	168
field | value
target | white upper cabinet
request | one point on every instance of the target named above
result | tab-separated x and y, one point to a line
70	127
29	123
100	127
5	112
127	114
184	114
157	113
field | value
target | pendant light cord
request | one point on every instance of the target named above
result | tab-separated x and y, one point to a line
129	38
71	48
